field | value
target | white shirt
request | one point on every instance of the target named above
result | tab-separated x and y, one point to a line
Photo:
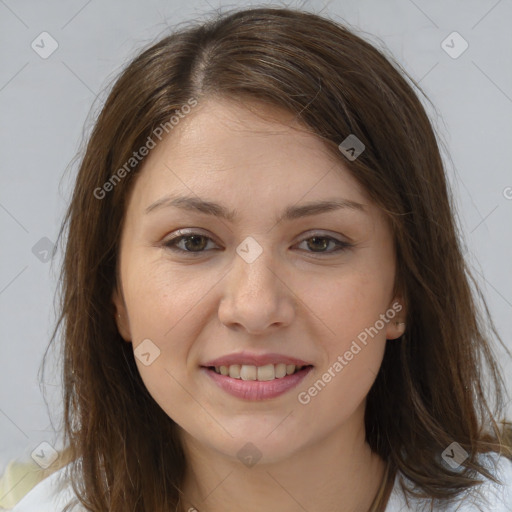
53	493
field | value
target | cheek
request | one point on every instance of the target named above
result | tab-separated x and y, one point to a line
161	309
349	303
159	301
353	341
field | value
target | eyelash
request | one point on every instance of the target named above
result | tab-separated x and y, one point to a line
172	243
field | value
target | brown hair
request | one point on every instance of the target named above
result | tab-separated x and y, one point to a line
430	388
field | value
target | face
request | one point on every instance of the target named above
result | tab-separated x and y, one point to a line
267	285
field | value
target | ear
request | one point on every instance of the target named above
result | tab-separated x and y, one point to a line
121	315
397	314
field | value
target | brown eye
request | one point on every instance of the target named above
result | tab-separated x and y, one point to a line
320	244
196	243
191	243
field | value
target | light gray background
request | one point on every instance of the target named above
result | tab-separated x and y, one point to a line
44	104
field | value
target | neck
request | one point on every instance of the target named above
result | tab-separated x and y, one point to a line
338	473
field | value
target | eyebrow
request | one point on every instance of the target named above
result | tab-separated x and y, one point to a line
292	212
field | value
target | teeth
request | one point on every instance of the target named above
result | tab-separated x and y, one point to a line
266	372
248	372
261	373
280	371
234	371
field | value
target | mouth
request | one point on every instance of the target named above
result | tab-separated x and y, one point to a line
250	382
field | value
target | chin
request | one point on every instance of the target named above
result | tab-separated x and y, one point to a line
253	446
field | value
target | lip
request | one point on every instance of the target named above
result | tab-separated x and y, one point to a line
255	360
257	390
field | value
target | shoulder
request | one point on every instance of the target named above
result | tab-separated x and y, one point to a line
484	497
50	495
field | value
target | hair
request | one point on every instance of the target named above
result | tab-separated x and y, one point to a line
430	390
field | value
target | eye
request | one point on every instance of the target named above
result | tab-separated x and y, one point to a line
196	243
193	243
323	242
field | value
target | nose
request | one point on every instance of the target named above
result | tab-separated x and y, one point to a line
256	296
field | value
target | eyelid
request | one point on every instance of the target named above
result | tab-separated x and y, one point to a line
322	233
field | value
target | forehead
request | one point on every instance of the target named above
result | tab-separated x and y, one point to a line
254	151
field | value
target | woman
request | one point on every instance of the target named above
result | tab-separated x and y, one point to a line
265	304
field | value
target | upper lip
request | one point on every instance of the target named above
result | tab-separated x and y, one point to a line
245	358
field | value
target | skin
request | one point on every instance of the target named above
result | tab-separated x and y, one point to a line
293	299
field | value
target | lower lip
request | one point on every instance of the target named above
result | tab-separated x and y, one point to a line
254	389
